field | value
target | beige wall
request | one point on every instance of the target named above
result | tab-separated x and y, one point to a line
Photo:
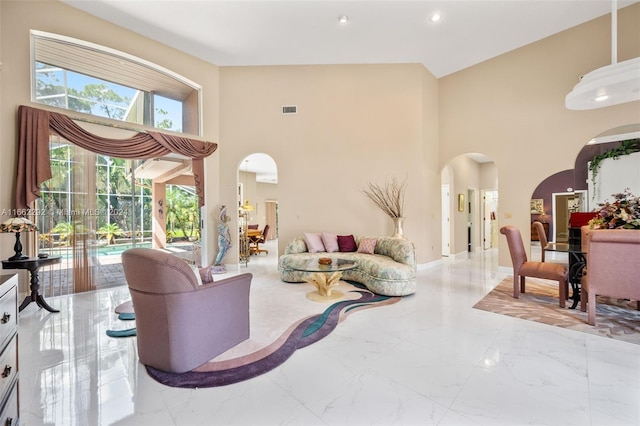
18	17
360	123
511	109
355	124
265	192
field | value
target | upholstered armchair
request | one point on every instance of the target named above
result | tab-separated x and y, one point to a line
612	263
542	237
523	268
181	323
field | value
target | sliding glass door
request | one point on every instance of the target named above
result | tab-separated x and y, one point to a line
91	210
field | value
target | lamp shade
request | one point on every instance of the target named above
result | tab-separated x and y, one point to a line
610	85
17	225
247	206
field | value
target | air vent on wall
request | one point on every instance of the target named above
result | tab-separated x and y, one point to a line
289	109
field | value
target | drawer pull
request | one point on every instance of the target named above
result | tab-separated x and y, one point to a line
6	372
5	318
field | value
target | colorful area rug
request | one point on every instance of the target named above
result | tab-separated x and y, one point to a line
615	318
266	350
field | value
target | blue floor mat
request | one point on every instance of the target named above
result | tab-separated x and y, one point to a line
122	333
127	316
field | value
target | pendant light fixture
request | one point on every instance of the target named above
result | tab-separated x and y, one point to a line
246	206
610	85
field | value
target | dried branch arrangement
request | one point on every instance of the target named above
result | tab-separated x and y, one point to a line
389	197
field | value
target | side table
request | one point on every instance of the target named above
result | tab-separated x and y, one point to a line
33	264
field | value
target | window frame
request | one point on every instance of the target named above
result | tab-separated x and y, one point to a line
136	69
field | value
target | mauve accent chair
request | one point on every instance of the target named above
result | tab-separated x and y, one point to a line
612	263
542	237
180	323
523	268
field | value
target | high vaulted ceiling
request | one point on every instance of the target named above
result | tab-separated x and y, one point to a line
291	32
303	32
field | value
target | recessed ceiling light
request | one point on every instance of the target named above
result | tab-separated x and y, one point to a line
435	17
343	19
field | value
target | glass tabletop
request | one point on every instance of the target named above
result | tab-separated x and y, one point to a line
312	265
563	247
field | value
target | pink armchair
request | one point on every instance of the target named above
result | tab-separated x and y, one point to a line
612	263
542	237
180	323
523	268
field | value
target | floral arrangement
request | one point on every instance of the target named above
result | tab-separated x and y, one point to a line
390	197
622	213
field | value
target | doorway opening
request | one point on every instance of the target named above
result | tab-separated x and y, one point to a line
563	204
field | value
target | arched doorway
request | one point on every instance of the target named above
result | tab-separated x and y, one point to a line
469	204
257	208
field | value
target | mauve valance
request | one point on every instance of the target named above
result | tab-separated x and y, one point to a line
34	167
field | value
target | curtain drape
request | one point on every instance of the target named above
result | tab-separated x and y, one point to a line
34	168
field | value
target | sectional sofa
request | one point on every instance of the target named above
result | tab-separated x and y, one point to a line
389	269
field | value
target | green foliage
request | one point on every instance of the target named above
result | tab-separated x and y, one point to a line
182	211
625	147
110	232
63	229
165	123
105	100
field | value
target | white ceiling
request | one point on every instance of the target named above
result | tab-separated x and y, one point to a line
269	32
262	165
265	32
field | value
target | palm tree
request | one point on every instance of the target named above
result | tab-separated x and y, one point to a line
64	231
110	231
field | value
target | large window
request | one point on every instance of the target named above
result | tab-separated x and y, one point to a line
91	79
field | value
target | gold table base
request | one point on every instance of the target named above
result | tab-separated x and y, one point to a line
324	284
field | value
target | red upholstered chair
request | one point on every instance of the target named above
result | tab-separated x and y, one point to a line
612	258
542	237
523	268
180	323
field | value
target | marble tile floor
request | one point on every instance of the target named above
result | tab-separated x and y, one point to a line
429	360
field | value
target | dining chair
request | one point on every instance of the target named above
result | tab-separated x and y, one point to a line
542	237
523	268
259	239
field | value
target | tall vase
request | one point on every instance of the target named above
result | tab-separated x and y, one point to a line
397	227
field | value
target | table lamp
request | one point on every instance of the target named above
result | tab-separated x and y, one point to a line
17	225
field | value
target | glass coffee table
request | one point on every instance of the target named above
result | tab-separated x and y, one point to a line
323	277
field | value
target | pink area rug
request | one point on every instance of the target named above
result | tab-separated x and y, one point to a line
615	318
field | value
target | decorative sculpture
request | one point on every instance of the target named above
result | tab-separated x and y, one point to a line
224	241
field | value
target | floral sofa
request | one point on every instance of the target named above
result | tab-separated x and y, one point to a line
390	270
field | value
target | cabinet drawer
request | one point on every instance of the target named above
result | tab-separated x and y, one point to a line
8	367
8	314
9	415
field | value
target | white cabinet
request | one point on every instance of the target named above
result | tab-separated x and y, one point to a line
9	407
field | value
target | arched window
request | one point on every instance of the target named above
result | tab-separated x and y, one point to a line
80	76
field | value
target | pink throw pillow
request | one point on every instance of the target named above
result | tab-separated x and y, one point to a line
367	245
347	243
330	242
314	242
